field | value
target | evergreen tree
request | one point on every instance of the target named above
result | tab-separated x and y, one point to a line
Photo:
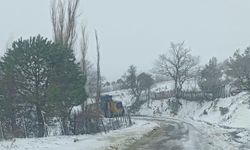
43	75
8	99
211	78
239	70
66	85
145	83
25	73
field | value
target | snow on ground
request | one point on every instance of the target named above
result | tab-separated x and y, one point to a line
233	126
127	99
224	137
218	138
111	140
236	117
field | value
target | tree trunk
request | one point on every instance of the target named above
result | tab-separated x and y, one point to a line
13	125
148	96
40	121
137	98
176	88
65	126
1	130
75	124
98	84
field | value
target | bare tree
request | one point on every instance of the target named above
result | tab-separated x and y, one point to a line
98	92
132	82
179	65
84	47
137	85
91	86
63	17
91	79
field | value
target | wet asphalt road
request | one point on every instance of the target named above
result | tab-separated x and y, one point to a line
173	135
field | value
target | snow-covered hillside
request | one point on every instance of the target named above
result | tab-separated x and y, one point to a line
236	110
228	116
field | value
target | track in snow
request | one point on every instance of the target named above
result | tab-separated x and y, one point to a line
174	135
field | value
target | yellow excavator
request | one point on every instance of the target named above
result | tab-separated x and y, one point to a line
111	108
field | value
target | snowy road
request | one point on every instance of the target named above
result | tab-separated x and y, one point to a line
177	135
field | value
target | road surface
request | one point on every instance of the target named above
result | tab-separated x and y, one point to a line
175	135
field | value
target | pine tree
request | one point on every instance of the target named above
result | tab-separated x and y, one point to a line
211	78
40	74
239	70
66	85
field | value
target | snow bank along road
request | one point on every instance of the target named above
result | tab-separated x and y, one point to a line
179	135
110	141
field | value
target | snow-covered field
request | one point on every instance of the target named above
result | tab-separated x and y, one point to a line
112	140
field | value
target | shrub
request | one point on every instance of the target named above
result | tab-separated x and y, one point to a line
205	112
223	110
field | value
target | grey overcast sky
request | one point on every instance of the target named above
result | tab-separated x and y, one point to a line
137	31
